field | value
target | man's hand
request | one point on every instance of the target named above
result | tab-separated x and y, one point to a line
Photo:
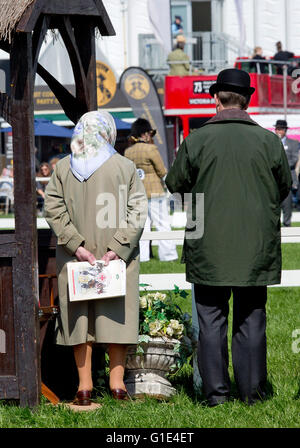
109	256
83	254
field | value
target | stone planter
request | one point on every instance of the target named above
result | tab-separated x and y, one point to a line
146	373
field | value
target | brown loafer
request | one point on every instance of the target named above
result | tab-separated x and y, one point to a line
83	398
120	394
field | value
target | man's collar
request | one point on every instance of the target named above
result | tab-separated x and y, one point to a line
231	114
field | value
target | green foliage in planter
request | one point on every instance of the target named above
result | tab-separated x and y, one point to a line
160	316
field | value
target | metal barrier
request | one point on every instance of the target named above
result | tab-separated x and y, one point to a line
274	83
212	50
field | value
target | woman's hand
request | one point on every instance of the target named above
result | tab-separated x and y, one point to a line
41	193
83	254
109	256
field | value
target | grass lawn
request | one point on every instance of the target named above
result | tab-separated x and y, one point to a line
185	410
8	215
280	410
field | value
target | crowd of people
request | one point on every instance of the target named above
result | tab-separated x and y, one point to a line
285	57
180	63
43	170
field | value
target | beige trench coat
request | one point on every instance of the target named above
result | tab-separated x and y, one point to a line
106	212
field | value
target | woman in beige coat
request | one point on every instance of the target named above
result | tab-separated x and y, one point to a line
96	205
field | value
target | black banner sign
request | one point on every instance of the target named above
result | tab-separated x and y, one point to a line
143	98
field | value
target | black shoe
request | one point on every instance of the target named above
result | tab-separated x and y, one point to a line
215	401
253	400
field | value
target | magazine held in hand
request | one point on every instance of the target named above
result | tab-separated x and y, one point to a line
87	282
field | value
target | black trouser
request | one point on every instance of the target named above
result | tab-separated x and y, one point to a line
287	209
248	341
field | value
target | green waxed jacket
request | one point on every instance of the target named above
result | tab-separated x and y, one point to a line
243	172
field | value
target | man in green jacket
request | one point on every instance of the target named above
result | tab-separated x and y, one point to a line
243	173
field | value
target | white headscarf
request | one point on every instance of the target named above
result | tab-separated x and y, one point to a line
92	143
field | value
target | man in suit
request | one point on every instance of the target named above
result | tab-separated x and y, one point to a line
282	56
292	148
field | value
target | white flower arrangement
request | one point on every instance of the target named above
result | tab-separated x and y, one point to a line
160	316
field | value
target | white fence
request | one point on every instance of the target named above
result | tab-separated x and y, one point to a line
167	281
158	282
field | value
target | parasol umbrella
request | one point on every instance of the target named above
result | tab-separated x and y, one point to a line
43	127
121	125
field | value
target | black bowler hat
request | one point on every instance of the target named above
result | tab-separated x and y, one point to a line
140	126
281	124
232	80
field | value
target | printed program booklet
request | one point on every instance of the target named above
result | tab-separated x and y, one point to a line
87	282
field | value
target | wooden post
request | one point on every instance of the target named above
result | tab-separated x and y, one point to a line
87	51
25	265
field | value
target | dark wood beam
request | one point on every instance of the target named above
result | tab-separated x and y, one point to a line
92	8
30	16
67	34
9	387
87	52
103	22
5	107
72	108
38	37
8	238
7	320
71	7
8	249
25	264
5	46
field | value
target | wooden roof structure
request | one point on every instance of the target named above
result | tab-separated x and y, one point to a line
22	15
23	27
74	19
11	12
